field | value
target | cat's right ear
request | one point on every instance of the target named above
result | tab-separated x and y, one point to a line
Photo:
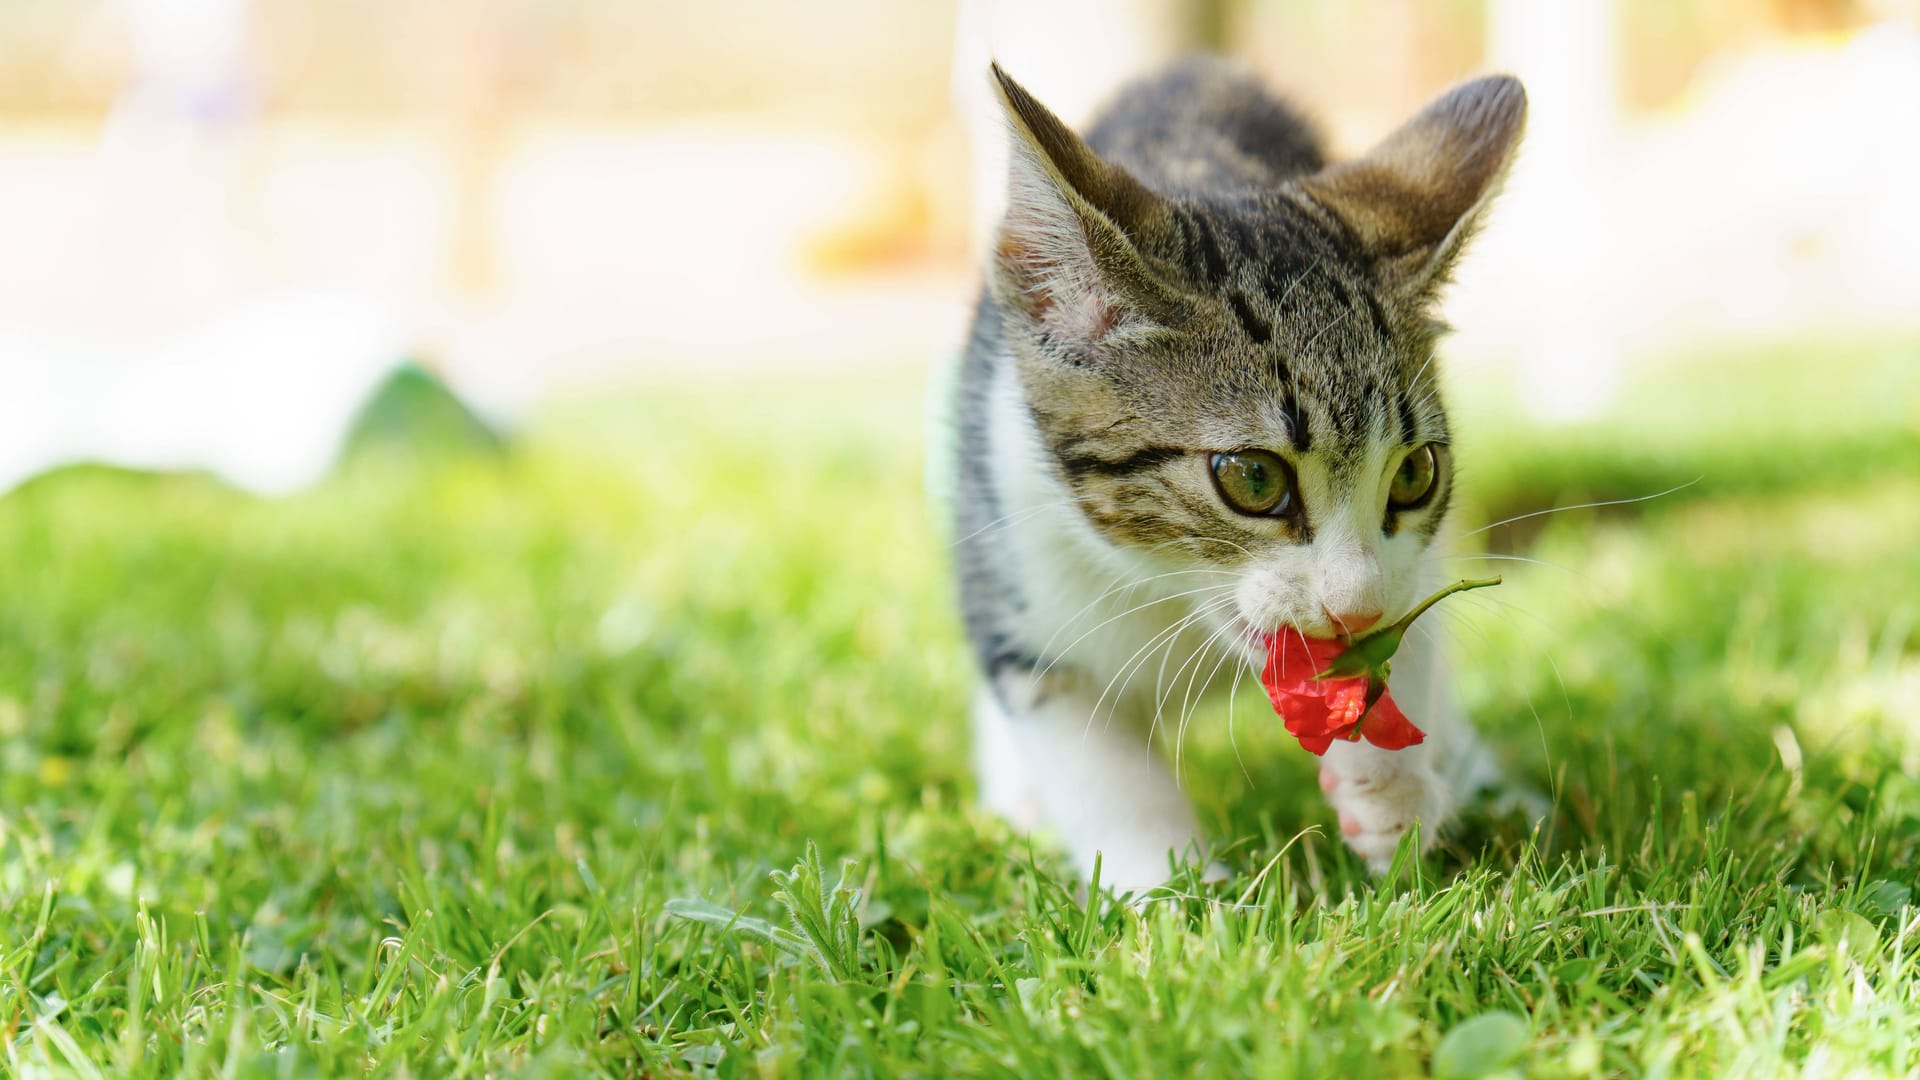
1068	253
1415	199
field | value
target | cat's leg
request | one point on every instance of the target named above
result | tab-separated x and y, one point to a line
1006	787
1379	794
1096	783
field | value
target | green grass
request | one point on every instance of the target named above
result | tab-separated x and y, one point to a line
641	749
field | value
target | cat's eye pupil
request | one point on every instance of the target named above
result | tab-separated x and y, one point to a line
1251	481
1414	480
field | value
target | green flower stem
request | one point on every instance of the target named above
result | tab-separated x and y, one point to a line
1369	655
1457	587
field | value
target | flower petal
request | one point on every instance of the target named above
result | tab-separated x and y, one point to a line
1388	728
1315	744
1318	711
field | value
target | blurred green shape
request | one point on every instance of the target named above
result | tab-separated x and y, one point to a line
1482	1045
413	415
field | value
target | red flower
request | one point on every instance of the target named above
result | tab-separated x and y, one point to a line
1326	689
1318	711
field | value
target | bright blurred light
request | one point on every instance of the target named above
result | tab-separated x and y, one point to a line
226	220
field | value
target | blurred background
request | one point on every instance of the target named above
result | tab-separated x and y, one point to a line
462	486
224	222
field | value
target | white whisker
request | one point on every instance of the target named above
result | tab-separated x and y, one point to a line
1207	540
1579	506
1008	519
1112	619
1160	702
1233	691
1295	283
1167	632
1331	323
1546	751
1188	705
1503	558
1199	651
1166	642
1137	662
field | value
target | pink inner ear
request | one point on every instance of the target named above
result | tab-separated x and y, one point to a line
1031	270
1060	296
1082	317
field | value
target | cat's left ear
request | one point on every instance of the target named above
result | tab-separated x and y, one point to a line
1415	199
1069	254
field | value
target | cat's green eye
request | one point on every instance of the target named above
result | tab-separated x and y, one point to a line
1253	481
1415	479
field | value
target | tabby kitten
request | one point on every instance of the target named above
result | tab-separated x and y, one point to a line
1197	408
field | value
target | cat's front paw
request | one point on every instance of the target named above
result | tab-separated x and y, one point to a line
1378	797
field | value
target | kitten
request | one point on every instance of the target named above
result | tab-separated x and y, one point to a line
1198	407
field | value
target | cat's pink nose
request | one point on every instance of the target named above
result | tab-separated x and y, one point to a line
1353	622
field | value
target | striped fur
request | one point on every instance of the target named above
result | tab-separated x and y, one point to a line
1194	278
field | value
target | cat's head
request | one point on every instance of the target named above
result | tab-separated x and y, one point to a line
1244	379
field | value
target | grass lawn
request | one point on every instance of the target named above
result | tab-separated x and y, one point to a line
642	749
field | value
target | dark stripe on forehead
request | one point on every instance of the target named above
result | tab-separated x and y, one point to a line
1290	410
1079	466
1342	299
1304	237
1378	314
1191	254
1215	265
1256	327
1282	376
1188	252
1339	235
1296	421
1240	239
1286	263
1407	427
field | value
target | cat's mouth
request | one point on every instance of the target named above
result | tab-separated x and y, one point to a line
1256	642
